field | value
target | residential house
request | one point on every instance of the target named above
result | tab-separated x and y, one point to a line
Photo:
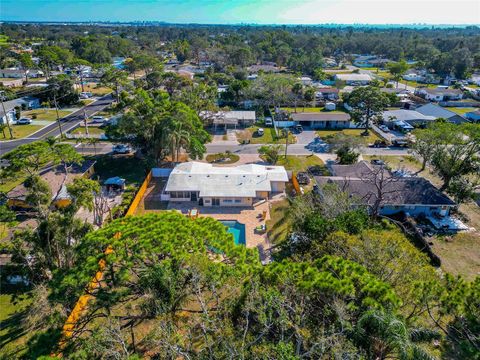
16	73
412	195
475	79
327	93
354	79
305	80
26	103
255	69
440	94
209	185
473	116
440	112
232	118
54	176
370	61
411	117
13	73
320	120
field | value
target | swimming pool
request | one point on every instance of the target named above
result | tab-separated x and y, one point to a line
237	229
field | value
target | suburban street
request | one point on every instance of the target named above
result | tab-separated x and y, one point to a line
67	123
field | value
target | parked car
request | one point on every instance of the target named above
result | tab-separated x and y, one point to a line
24	121
400	142
121	149
85	95
298	128
260	131
99	119
384	128
268	121
380	144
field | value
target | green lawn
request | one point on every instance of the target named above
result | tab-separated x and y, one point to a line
3	39
299	163
370	139
95	89
13	336
268	137
461	110
125	166
6	186
92	130
46	114
415	84
20	131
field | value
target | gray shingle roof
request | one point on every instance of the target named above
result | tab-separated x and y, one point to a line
320	116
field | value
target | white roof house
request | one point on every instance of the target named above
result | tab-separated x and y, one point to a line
208	181
352	78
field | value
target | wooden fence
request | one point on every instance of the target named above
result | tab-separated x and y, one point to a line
79	309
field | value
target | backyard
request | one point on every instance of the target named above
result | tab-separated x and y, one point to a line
125	166
370	139
311	109
279	224
13	336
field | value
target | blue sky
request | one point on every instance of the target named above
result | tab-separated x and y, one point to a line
247	11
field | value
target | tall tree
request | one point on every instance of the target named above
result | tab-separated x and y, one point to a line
367	105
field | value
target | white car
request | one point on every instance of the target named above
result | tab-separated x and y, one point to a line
99	119
121	149
85	95
268	121
384	128
260	132
24	121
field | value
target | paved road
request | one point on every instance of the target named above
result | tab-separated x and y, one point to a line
67	123
297	149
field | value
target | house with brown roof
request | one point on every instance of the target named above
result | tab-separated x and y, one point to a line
54	176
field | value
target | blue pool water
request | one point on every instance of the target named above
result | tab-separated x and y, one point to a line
237	229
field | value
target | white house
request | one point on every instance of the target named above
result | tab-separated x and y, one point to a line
12	73
26	103
210	185
440	94
234	118
354	79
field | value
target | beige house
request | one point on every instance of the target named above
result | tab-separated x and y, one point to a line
210	185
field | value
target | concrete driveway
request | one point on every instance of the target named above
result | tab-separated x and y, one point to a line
305	137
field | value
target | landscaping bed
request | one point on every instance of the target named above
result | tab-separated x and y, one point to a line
222	158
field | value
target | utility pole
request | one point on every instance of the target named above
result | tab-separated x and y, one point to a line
286	142
58	117
6	115
85	122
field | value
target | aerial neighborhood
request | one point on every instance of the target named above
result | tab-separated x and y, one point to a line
174	191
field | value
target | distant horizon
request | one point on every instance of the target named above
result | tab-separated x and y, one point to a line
247	12
160	22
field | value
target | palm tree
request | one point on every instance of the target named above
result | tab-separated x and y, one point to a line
383	335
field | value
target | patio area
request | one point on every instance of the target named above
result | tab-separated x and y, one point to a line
251	217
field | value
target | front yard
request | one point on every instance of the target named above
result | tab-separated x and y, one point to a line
95	89
269	136
19	131
299	163
92	130
45	114
370	139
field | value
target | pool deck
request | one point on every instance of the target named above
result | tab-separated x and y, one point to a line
250	216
